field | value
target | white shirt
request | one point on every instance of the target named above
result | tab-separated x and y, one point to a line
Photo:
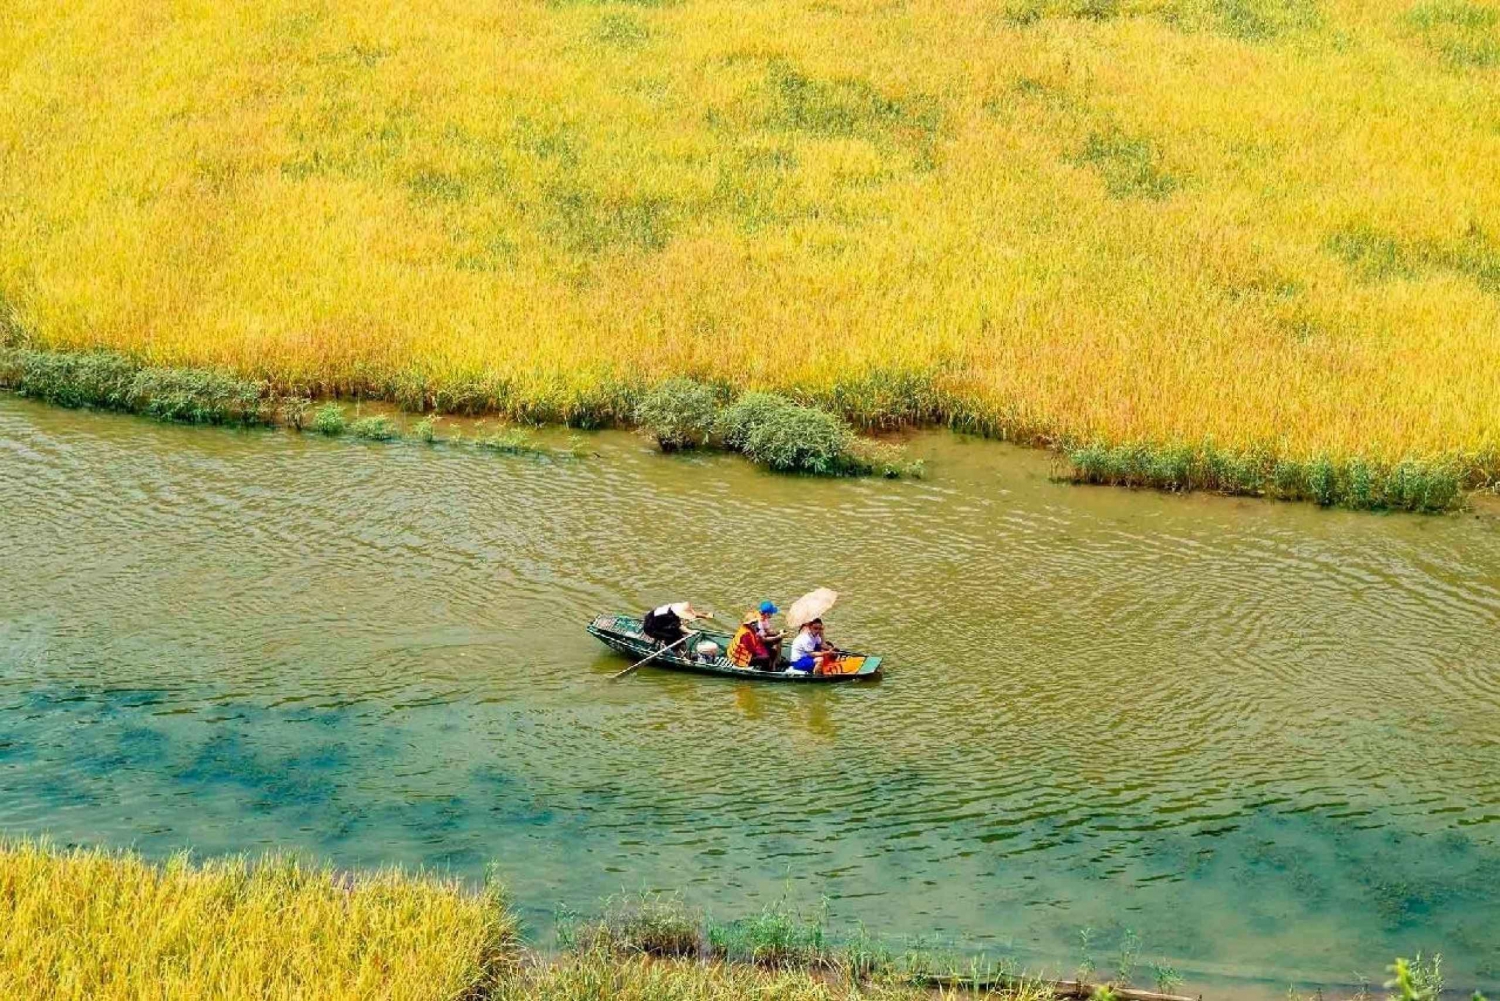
805	645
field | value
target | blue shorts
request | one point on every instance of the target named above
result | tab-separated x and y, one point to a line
804	664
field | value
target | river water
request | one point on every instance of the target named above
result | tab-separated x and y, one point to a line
1263	738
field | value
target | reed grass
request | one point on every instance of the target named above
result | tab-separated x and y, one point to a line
1053	220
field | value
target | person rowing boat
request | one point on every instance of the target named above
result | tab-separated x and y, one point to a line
664	623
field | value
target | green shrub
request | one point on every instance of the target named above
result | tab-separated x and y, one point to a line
425	429
329	419
789	437
1089	462
750	411
679	413
376	428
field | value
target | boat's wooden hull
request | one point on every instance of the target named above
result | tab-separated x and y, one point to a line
622	633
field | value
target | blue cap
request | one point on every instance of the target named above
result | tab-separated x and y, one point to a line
766	608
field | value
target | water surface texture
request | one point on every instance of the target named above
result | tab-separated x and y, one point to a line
1262	737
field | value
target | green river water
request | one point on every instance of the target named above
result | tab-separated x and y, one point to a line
1264	738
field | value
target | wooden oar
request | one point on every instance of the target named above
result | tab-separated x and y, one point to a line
655	655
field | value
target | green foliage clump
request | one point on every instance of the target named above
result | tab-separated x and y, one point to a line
679	413
1165	976
329	419
95	379
376	428
196	396
112	382
425	429
788	437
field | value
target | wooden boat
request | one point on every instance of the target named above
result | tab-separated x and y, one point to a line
622	633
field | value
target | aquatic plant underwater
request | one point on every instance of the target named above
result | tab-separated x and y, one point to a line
1093	224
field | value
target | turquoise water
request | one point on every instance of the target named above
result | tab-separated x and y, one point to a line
1263	738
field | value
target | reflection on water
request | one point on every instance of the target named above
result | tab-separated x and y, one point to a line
1261	736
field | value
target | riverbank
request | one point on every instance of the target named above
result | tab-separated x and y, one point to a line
678	417
99	925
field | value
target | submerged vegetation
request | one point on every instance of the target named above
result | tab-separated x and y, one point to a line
1054	221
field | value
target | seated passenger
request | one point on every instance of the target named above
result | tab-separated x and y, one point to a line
810	649
769	634
747	649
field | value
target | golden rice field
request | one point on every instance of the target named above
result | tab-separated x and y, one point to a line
99	926
1271	222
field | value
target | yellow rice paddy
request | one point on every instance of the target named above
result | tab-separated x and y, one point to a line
97	926
1270	222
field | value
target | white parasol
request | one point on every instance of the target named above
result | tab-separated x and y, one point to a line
810	606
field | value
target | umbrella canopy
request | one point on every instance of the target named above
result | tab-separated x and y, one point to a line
810	606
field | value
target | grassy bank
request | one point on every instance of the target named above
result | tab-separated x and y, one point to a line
1127	221
100	926
772	430
768	429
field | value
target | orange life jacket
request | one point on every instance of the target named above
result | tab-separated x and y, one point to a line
746	646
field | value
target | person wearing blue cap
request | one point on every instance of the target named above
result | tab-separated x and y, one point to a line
769	634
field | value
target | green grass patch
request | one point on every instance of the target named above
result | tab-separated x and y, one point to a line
1376	255
1466	35
1130	166
585	223
1028	12
846	106
1357	483
329	420
1263	20
621	30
